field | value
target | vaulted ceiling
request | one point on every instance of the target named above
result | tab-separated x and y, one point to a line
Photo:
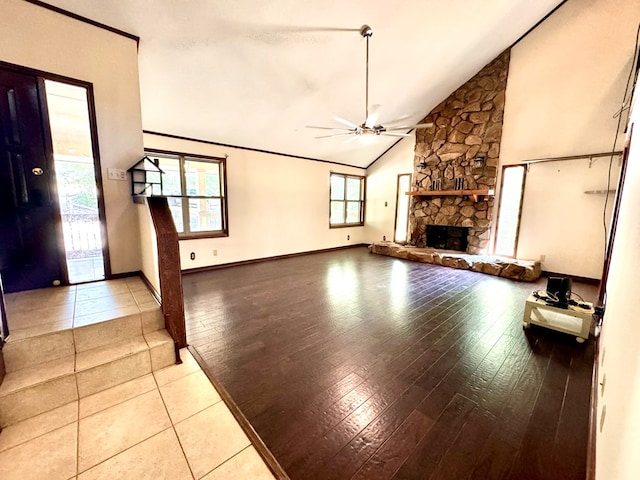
254	73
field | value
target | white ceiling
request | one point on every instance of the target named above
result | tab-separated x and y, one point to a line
253	73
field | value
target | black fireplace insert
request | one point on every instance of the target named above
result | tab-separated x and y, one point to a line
447	238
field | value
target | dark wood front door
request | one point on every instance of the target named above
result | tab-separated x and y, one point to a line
30	229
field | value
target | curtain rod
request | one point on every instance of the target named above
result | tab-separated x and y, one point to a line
572	157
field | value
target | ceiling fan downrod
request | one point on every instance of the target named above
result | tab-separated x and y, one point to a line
366	31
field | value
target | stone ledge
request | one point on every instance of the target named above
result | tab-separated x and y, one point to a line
490	264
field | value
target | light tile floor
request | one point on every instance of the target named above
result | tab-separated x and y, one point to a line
171	424
46	310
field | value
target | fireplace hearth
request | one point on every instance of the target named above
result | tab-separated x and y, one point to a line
447	238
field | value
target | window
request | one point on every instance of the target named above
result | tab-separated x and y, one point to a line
402	208
195	189
346	200
511	194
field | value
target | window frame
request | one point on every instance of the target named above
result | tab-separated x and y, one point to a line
224	210
500	203
362	201
395	218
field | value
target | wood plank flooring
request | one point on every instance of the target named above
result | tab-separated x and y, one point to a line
357	366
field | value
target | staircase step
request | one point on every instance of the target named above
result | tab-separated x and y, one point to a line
126	323
61	351
31	391
32	351
161	348
111	365
87	333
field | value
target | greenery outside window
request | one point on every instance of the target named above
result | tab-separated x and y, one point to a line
195	188
346	200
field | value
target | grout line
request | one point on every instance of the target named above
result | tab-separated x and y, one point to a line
174	428
122	451
230	458
77	422
42	434
117	403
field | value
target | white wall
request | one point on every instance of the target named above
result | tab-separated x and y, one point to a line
277	205
617	444
562	222
566	80
148	246
382	180
34	37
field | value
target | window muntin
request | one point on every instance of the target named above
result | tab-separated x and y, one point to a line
346	206
195	187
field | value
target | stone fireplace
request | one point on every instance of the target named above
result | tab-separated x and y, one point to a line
461	152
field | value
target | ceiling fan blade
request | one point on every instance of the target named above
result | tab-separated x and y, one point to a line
327	128
400	119
345	122
372	118
335	135
389	134
405	127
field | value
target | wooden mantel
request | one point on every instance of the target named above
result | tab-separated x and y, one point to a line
475	194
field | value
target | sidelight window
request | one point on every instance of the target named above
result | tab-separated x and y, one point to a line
511	194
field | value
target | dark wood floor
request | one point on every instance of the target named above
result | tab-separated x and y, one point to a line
356	366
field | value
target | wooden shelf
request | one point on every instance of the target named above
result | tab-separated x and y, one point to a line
475	194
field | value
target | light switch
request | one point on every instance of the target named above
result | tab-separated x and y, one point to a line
117	174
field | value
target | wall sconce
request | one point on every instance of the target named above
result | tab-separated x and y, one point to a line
146	177
480	161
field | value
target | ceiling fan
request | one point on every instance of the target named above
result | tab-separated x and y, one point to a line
370	126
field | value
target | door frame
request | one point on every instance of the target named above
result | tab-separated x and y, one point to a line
41	76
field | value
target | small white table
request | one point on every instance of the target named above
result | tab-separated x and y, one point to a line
573	320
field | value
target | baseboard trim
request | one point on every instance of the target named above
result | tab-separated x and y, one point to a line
150	286
255	439
593	414
576	278
117	276
187	271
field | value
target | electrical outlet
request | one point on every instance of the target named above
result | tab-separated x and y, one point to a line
117	174
385	204
192	256
384	238
348	237
543	257
215	253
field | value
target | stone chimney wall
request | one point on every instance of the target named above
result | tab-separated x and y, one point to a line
467	125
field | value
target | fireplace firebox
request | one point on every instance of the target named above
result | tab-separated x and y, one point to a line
447	238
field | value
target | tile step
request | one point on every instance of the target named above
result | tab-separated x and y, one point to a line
33	390
23	352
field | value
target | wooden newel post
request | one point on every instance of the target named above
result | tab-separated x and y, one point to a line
170	272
